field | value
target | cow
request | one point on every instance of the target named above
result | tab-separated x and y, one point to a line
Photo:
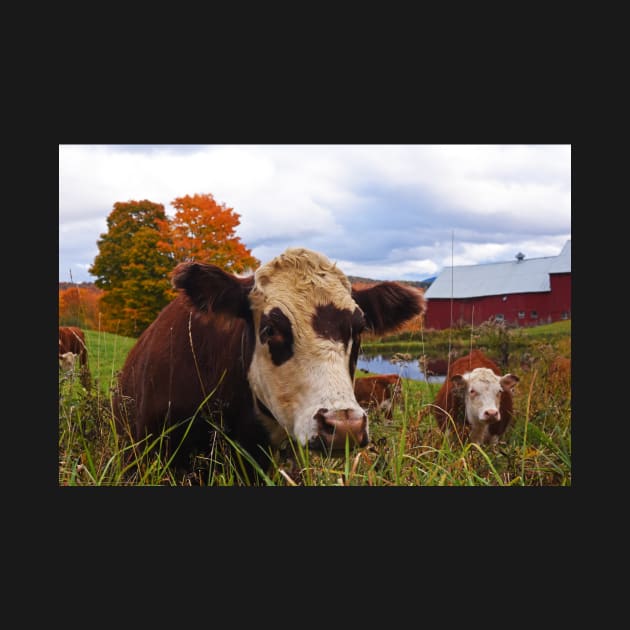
477	398
268	357
72	339
379	392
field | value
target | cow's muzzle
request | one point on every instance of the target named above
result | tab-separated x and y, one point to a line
491	416
335	427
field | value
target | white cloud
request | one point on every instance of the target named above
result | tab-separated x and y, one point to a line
383	209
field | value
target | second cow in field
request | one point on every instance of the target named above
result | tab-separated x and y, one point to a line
476	398
378	393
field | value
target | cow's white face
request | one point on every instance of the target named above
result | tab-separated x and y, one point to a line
67	361
483	389
483	395
307	332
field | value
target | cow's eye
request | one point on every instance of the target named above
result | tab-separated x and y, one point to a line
473	392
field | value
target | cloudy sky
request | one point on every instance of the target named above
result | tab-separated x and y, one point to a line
388	212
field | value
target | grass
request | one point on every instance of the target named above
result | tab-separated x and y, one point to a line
107	355
408	450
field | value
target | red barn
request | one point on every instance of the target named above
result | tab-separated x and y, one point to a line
521	292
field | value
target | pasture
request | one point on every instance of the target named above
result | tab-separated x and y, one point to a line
408	450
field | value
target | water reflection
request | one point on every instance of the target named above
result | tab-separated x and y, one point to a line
407	369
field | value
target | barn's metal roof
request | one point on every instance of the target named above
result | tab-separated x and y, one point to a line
504	278
562	263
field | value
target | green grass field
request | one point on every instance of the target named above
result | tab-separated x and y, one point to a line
409	450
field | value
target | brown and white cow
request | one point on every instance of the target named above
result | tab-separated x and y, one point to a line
477	398
273	355
72	339
378	392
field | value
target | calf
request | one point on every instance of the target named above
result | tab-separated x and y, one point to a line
476	398
378	392
266	357
72	339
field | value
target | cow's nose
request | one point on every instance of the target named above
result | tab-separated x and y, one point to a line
333	427
491	415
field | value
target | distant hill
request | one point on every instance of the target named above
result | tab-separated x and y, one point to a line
419	284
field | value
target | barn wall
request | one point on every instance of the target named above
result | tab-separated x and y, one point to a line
551	306
561	292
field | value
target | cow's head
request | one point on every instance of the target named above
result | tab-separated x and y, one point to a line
67	361
306	321
482	389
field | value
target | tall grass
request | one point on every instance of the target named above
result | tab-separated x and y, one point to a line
407	450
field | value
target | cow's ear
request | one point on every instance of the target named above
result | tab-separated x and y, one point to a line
209	288
458	381
508	382
388	305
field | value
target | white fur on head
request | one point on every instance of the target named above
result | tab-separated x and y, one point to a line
317	374
482	398
67	361
483	394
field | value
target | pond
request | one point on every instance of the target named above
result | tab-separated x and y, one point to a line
380	364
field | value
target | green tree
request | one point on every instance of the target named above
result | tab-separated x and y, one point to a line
133	267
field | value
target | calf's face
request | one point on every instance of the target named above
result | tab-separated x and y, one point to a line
482	393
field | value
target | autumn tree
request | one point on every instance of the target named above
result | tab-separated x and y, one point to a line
131	268
204	231
79	306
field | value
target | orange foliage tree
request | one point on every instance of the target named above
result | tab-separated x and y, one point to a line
142	246
79	306
204	231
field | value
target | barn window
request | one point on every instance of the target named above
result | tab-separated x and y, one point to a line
499	317
564	315
534	314
521	314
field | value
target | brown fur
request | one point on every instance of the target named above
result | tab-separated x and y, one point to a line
449	401
373	391
436	367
